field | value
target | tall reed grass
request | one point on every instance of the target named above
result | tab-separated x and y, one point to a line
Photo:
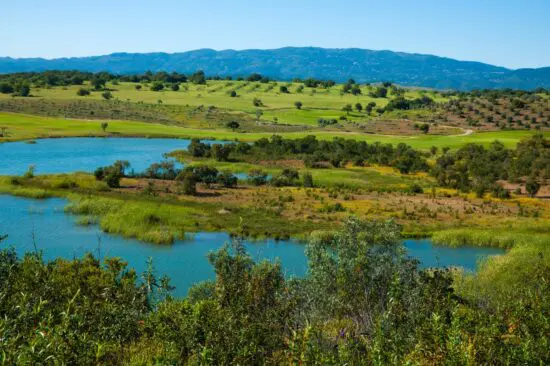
141	220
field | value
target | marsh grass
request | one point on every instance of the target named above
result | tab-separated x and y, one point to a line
7	187
151	223
505	238
503	277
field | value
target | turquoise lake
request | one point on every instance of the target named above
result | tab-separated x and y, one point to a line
84	154
42	224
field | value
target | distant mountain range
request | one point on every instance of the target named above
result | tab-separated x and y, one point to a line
287	63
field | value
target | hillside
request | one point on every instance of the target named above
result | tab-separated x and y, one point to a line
302	62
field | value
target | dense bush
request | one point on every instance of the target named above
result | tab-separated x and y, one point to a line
337	151
476	167
363	301
112	174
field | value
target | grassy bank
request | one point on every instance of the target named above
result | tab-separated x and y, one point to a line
24	127
504	237
505	276
158	218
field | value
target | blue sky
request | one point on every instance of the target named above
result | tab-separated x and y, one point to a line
507	33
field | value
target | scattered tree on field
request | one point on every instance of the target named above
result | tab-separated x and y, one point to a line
532	186
233	125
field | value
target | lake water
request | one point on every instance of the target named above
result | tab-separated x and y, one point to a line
84	154
43	224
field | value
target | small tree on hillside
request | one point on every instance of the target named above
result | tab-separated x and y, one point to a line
107	95
188	183
257	102
347	108
358	107
233	125
98	84
23	90
104	126
157	86
82	92
532	186
307	180
369	107
298	105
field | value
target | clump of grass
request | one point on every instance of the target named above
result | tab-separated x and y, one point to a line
505	238
29	192
86	220
507	276
140	220
472	237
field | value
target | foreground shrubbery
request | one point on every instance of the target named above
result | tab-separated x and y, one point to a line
359	304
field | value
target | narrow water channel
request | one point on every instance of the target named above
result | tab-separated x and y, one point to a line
43	225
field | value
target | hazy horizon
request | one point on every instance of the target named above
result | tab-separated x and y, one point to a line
263	49
511	34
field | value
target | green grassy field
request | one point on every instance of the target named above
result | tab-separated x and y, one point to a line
22	127
317	103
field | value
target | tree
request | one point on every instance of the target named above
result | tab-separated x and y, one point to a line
355	90
369	107
298	105
138	87
82	92
198	77
307	180
257	102
23	90
175	87
104	126
107	95
221	152
205	174
358	107
257	177
283	89
233	125
157	86
188	184
227	179
198	149
6	88
433	150
347	108
259	113
113	173
532	186
98	83
379	92
424	127
233	94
